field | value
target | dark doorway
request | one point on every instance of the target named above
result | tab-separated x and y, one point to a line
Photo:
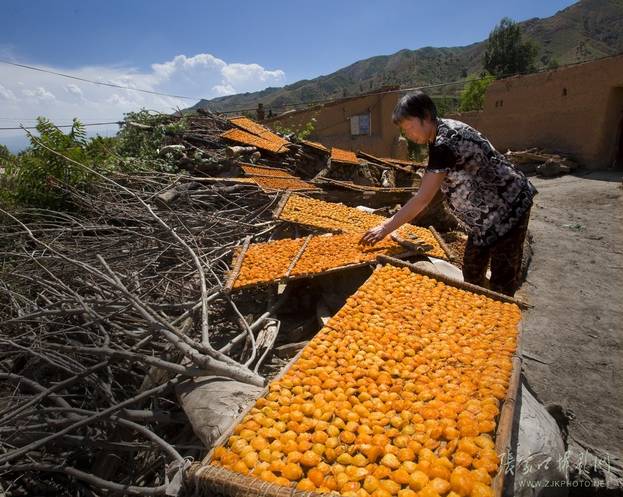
618	159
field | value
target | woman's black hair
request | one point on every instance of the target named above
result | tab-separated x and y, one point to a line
416	104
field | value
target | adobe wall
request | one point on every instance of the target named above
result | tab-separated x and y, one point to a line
575	110
332	127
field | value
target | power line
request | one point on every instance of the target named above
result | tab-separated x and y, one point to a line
293	106
63	125
312	102
103	83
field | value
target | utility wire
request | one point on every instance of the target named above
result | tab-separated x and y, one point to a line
312	102
309	103
63	125
103	83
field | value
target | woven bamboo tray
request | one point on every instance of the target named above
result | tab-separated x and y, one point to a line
206	480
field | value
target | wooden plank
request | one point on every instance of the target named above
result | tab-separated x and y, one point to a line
449	252
383	162
229	284
296	258
413	246
363	188
282	203
504	431
405	163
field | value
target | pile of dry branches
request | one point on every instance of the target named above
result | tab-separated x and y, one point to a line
103	312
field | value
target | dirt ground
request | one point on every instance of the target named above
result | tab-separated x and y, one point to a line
573	337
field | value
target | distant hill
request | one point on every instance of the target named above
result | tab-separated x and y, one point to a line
586	30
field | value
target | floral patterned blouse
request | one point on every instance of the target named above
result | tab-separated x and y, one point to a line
482	188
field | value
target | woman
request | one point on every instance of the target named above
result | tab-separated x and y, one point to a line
484	191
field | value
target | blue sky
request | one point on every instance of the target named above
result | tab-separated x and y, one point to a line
207	49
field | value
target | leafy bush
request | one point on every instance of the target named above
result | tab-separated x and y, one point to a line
5	154
32	173
473	95
301	131
138	147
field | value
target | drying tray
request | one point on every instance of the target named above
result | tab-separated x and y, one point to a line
205	479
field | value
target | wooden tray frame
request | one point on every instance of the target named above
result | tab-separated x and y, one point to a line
449	252
368	189
208	480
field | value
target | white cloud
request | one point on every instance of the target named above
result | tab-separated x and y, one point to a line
39	93
27	94
6	94
223	90
244	75
73	90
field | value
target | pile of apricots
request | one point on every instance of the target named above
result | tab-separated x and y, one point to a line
398	395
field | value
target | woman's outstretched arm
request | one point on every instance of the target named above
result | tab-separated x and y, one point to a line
429	187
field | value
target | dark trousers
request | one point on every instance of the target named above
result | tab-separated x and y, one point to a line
505	256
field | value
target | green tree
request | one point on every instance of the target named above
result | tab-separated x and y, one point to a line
507	53
473	95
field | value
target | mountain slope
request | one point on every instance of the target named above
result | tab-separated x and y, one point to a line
586	30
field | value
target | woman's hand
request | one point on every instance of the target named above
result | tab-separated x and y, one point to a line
429	187
375	235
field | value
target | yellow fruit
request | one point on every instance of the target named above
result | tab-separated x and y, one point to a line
481	490
428	491
391	461
370	483
462	481
310	458
240	467
345	458
406	492
292	471
391	486
440	485
418	480
341	479
250	459
401	476
306	484
268	476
